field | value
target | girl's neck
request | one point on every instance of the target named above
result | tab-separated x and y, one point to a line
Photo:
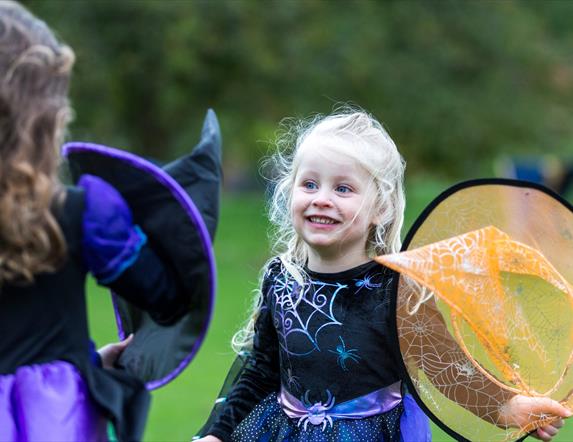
334	264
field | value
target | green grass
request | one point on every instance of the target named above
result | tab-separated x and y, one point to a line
180	408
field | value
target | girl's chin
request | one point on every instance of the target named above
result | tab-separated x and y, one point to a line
319	240
327	248
321	229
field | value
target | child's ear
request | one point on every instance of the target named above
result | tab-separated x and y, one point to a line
376	219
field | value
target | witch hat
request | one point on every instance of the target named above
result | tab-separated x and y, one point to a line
177	206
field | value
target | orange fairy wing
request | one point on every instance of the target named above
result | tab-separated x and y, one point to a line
466	272
484	305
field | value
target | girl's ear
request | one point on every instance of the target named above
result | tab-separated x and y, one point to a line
376	219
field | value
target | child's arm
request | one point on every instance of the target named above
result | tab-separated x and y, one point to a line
117	254
474	391
259	377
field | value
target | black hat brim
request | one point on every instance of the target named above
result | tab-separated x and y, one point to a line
177	207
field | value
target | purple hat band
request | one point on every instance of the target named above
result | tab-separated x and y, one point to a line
185	201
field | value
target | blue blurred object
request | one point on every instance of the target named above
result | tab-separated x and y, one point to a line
547	170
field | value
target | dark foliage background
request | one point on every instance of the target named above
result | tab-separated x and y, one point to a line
456	83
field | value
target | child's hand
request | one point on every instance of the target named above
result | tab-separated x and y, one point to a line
547	432
520	409
208	438
110	352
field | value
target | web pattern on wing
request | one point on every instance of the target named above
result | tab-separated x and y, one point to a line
498	324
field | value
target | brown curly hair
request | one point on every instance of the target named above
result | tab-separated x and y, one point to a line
34	111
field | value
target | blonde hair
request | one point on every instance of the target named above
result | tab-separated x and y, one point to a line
356	134
34	110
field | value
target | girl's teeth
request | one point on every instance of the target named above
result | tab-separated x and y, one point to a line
321	220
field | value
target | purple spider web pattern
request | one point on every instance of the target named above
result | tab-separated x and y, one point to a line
303	311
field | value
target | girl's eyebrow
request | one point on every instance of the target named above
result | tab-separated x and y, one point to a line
343	178
347	179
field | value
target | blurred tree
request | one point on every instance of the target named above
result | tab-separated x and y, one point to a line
455	83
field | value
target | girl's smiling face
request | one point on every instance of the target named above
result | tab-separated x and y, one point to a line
332	206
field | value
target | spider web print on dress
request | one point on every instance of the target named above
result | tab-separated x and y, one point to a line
291	298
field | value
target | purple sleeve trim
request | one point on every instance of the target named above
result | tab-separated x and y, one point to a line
183	198
111	243
128	260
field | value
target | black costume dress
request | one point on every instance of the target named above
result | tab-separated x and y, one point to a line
50	389
323	365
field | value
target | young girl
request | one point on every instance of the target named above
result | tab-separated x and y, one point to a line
323	366
50	236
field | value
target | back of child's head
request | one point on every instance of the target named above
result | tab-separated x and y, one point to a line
34	110
361	138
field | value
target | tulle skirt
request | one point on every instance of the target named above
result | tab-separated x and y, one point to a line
268	422
48	402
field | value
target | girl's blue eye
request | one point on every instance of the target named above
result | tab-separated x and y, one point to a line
343	189
310	185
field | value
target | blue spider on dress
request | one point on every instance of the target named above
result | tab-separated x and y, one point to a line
367	283
344	354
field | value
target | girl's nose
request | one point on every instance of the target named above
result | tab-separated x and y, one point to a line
321	200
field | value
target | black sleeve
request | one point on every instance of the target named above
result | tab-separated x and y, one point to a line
259	378
117	253
150	286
